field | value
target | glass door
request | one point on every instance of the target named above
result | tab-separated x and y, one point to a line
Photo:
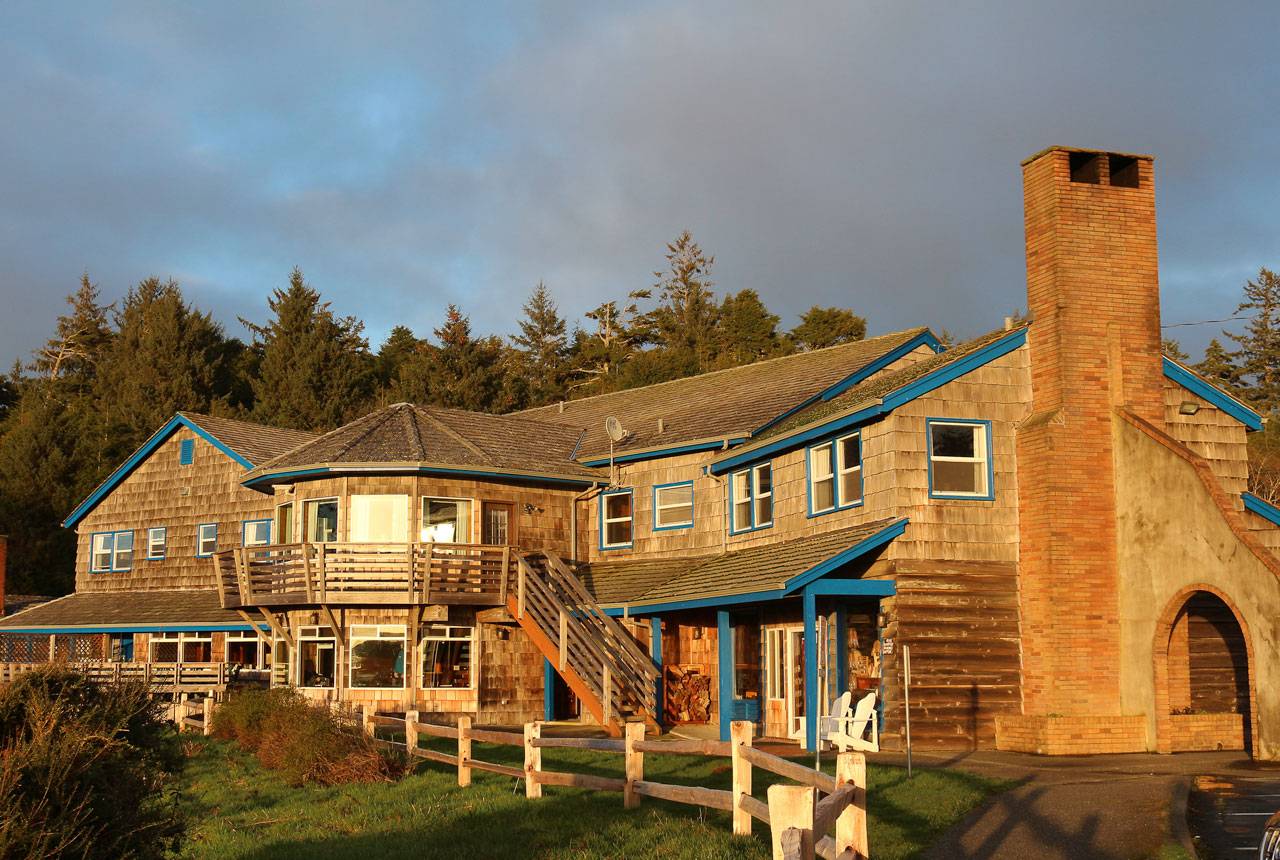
496	523
795	683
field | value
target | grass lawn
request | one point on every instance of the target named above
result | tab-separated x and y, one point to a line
240	810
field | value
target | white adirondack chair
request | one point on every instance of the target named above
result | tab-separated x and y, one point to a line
847	727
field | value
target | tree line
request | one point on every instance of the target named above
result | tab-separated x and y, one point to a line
112	374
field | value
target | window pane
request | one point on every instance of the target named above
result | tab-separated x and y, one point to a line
746	660
617	533
322	521
741	500
284	523
824	494
952	477
243	652
850	452
617	505
257	533
102	547
164	652
676	516
197	651
820	462
377	663
764	479
950	440
851	487
446	663
446	520
764	510
124	550
674	505
315	663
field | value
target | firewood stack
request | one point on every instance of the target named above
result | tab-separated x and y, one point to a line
688	698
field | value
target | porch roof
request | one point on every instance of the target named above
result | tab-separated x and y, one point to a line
125	611
763	572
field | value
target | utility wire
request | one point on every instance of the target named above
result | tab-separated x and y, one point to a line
1207	322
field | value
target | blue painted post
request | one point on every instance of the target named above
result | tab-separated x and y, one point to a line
725	646
842	650
548	691
811	705
655	652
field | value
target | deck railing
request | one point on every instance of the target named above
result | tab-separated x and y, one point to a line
183	677
318	573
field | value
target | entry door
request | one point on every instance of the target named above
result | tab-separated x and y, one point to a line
497	523
795	683
785	661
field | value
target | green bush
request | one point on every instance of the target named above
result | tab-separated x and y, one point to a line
303	741
86	770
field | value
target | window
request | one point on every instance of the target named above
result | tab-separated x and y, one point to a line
111	551
446	657
163	647
835	474
673	506
284	522
279	662
777	663
245	649
317	657
321	518
379	519
186	452
206	539
616	519
751	498
255	532
173	647
156	543
197	648
959	459
377	656
746	658
446	520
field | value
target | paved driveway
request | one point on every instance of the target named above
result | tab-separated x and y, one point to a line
1227	813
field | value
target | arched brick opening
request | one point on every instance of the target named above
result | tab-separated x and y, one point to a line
1205	694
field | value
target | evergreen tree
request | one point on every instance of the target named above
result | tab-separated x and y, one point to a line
684	322
81	339
459	371
748	331
822	327
599	356
314	367
542	349
1219	367
1259	353
399	346
1174	350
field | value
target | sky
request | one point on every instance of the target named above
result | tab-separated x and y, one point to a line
852	153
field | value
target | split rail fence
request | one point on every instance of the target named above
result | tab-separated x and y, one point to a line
821	815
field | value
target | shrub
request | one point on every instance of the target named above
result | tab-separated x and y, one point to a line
303	741
86	770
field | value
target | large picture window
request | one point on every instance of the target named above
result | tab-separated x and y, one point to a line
379	519
447	657
959	459
673	506
835	474
321	520
446	520
377	656
111	551
317	657
617	518
171	647
751	497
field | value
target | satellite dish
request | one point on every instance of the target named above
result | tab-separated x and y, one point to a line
613	427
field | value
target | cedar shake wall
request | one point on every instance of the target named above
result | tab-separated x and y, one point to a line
1093	294
1214	435
161	492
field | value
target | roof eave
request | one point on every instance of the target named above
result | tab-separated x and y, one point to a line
401	467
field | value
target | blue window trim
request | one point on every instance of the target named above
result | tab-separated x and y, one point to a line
200	528
991	459
1206	391
692	507
751	494
186	452
619	491
244	530
840	505
115	538
164	540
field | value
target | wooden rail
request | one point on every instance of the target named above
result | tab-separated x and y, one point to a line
801	817
363	573
180	677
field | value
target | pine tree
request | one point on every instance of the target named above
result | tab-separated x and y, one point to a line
314	367
748	331
1174	350
822	327
1259	353
395	351
1219	367
542	349
459	371
599	356
81	338
684	322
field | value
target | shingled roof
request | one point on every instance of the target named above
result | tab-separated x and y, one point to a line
123	609
721	404
747	571
405	436
257	443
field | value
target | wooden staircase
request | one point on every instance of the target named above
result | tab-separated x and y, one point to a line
601	662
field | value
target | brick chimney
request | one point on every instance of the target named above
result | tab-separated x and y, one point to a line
1094	299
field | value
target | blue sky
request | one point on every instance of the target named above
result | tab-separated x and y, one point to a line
847	153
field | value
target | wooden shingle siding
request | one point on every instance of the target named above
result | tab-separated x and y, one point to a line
1212	434
161	492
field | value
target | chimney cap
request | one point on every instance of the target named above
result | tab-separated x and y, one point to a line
1049	149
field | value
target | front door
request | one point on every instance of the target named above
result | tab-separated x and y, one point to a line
497	523
785	684
795	684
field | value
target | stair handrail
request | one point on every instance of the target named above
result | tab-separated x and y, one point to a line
568	578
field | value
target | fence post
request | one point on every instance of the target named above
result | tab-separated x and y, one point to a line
532	760
410	731
740	732
634	764
464	750
208	715
791	821
851	825
366	715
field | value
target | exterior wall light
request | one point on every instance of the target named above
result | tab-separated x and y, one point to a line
1188	407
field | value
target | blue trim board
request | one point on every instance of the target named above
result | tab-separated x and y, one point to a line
692	507
548	691
600	506
127	467
811	704
842	647
1261	507
655	654
867	544
1206	391
930	381
136	628
724	648
656	453
425	470
925	338
990	495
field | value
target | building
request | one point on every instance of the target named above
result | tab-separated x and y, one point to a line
1052	517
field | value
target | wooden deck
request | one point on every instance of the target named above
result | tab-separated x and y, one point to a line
308	574
179	677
